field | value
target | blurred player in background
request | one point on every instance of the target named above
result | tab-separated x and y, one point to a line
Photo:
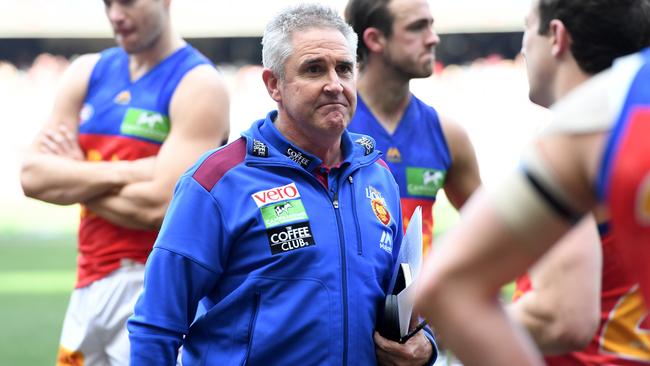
125	124
424	151
565	43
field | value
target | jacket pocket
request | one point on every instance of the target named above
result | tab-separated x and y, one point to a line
251	326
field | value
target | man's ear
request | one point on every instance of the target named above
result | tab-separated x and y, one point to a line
374	39
560	38
271	82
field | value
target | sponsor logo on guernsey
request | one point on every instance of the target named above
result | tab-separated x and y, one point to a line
643	201
291	237
283	212
423	181
260	149
123	97
276	194
367	144
146	124
298	157
386	242
86	113
393	155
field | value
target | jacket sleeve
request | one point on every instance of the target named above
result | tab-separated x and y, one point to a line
184	266
428	332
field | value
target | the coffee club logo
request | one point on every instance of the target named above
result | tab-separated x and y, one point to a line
260	149
298	157
287	238
146	124
283	212
423	181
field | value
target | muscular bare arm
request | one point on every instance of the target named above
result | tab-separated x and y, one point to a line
562	311
199	114
483	252
463	177
54	169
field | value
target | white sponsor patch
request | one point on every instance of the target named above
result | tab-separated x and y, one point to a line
277	194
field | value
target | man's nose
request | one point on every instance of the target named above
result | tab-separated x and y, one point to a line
115	12
333	83
432	37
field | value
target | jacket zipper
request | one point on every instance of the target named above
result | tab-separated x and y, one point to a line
339	222
344	277
251	327
356	216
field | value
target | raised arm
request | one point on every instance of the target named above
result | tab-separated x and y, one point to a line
54	169
199	114
463	178
562	311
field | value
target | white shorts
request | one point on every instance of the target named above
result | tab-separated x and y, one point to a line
94	330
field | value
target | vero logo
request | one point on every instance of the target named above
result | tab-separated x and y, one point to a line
263	198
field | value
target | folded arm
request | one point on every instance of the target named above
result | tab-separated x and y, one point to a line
199	114
54	169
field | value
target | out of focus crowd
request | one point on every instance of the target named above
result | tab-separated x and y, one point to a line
488	96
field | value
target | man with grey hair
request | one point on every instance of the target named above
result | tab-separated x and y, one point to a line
285	239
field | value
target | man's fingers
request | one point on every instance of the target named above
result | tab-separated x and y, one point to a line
49	143
68	139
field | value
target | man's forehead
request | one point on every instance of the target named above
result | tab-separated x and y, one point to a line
410	10
319	43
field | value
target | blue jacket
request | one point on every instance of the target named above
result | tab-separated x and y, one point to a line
283	270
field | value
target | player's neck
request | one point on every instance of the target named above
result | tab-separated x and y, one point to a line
569	77
386	98
141	62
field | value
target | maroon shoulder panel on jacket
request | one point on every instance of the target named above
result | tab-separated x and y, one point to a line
217	164
383	163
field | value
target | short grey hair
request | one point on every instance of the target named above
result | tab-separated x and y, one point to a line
276	42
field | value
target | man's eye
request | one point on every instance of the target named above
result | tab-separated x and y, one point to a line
313	69
344	69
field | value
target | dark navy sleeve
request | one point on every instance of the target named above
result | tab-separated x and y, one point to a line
428	332
182	268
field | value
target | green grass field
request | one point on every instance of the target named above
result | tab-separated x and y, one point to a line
36	277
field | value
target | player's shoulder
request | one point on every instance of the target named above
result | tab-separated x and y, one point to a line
204	78
594	105
83	64
453	131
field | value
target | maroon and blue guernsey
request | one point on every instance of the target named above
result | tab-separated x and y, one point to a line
624	183
124	120
417	155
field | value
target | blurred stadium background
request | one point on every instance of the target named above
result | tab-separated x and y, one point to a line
480	81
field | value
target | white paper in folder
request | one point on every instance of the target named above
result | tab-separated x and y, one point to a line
409	261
